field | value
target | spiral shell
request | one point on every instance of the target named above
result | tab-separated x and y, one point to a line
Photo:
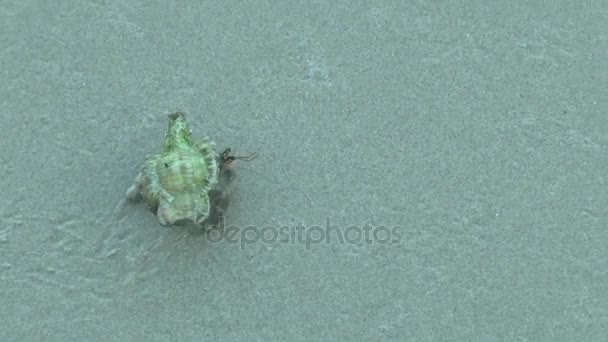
175	183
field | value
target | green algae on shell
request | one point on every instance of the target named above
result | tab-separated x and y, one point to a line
175	183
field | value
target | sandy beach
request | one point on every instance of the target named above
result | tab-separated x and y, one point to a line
424	171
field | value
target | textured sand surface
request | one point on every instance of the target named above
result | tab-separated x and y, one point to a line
472	137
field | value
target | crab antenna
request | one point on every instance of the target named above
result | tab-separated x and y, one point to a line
249	157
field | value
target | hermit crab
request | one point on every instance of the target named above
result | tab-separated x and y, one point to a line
219	196
188	181
175	183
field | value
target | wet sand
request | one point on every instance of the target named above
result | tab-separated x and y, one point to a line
425	172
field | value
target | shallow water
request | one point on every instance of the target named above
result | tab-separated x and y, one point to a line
424	172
